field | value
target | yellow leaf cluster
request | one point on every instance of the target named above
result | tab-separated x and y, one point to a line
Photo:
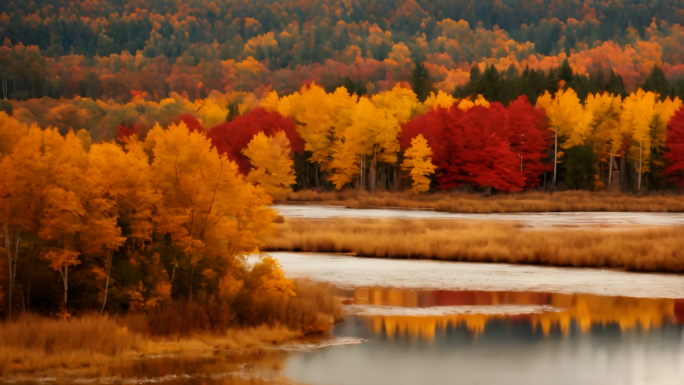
567	115
272	165
418	161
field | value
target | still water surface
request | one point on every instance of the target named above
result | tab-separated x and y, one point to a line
576	339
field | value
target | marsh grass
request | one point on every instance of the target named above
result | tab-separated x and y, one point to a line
637	249
460	202
32	343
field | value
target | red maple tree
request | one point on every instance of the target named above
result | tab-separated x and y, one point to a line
232	137
124	130
674	154
191	122
530	138
469	147
487	157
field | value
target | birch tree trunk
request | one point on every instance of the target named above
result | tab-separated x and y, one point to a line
12	263
65	279
623	173
555	157
610	171
109	270
373	172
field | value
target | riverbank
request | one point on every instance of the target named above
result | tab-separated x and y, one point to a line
89	345
648	249
459	202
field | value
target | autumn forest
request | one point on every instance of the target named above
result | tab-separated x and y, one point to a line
143	144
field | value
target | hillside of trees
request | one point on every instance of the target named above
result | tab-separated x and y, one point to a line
104	49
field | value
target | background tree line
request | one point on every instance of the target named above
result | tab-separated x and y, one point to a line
54	48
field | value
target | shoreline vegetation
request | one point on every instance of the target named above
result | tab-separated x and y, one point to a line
88	344
463	202
642	249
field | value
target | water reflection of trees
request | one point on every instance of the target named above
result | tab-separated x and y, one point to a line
584	311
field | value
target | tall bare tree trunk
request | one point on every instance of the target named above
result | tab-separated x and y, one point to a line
12	262
623	172
28	292
192	273
65	278
610	171
373	172
555	157
110	257
640	158
318	184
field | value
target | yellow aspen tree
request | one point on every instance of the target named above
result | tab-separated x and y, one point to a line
210	113
346	165
207	208
101	235
64	195
137	199
321	118
22	174
399	101
61	222
442	99
568	119
401	104
372	133
11	131
465	104
664	111
313	113
283	106
272	165
46	171
60	260
638	110
605	111
418	161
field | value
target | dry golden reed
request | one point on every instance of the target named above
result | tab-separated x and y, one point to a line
459	202
33	343
638	249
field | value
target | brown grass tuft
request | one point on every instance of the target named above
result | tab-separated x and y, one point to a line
459	202
653	249
33	343
312	310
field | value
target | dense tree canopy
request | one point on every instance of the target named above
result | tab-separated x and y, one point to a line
105	49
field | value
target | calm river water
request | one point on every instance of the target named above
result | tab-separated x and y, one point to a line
522	338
